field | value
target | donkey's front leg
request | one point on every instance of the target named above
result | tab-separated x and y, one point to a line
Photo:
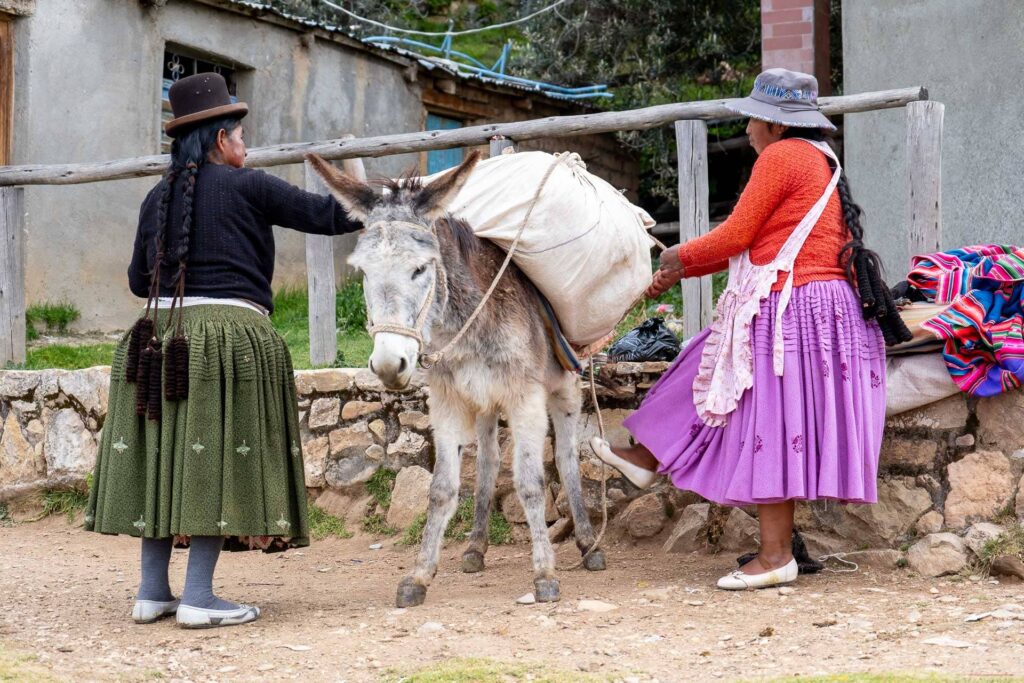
449	430
529	423
488	462
564	404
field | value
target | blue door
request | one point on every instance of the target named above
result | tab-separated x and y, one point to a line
441	159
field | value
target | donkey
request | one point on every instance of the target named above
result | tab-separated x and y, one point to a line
424	273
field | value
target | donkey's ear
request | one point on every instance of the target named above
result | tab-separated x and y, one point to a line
433	200
356	197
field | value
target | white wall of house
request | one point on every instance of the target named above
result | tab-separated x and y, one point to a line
968	54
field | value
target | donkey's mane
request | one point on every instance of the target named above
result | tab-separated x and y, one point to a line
466	241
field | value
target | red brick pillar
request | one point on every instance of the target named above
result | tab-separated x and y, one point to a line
794	35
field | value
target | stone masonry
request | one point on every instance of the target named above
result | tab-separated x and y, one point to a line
945	467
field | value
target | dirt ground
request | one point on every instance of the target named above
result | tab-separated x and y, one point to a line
65	599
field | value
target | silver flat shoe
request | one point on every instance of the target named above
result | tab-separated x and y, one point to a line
197	617
738	581
641	478
148	611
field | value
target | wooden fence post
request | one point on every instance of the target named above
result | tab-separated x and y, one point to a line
12	275
692	150
924	177
499	143
320	282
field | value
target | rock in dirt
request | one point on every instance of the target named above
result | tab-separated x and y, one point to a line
528	599
938	555
410	496
741	532
1008	565
981	533
512	508
645	516
560	530
596	606
946	641
431	628
689	532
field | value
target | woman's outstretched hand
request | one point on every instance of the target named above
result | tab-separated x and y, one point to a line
669	273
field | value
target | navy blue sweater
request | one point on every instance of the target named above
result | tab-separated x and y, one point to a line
231	245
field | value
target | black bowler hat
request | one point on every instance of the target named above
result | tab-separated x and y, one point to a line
200	98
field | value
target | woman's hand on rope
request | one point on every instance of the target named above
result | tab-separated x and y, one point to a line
669	273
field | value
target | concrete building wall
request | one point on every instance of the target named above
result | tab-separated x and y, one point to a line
968	54
88	81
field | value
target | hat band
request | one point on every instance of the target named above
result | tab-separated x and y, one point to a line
785	105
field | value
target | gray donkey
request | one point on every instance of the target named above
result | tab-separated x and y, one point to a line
424	274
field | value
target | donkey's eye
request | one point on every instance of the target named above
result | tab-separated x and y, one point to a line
419	271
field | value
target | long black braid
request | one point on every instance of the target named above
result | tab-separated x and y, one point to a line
862	266
144	363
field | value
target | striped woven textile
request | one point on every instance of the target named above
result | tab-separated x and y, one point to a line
983	327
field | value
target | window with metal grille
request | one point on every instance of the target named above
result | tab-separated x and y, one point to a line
441	159
177	65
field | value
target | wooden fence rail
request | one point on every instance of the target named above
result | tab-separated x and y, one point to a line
387	145
924	138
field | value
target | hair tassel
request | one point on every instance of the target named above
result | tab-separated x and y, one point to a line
177	369
141	330
154	396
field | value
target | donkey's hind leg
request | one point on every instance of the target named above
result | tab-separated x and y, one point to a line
451	422
529	424
564	404
488	462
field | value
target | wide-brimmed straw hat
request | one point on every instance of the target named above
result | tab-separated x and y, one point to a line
786	97
199	98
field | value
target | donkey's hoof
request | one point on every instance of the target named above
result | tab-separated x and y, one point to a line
410	593
472	562
594	562
546	590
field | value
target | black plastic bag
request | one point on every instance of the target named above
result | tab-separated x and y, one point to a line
651	341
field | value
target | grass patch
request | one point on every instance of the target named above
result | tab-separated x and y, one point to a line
414	532
892	678
322	525
291	320
377	525
499	531
68	503
67	357
5	516
380	486
19	667
490	671
1011	542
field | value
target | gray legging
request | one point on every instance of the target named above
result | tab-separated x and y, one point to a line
202	561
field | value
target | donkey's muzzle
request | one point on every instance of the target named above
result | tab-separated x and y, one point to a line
394	359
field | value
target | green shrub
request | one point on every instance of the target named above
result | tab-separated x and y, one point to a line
414	532
380	486
377	525
323	524
499	531
5	516
67	503
350	307
56	317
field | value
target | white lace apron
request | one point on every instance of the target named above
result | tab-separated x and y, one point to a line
727	363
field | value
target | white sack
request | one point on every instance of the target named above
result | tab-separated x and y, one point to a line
916	380
586	247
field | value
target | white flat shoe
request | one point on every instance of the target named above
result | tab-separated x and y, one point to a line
148	611
197	617
738	581
640	477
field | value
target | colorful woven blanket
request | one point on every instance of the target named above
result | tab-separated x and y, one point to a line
983	327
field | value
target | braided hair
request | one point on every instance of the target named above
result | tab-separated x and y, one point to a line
862	266
145	359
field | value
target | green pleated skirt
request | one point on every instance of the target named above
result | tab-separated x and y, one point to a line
225	462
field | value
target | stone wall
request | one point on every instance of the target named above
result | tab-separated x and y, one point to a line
943	467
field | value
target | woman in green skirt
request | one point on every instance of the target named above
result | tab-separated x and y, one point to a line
201	444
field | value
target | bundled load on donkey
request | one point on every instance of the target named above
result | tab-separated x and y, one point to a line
583	244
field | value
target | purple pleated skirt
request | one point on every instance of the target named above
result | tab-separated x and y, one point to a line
813	433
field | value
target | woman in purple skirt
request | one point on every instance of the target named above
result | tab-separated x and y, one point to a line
783	397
